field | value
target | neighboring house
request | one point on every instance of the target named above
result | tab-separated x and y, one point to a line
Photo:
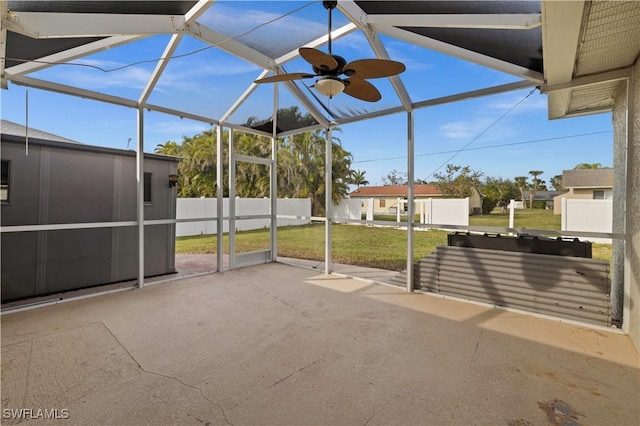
385	198
592	184
547	196
62	181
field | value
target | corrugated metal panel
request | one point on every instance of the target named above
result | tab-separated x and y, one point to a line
425	273
566	287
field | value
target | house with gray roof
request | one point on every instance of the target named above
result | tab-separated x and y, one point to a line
593	184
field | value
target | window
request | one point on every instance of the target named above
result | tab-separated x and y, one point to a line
4	182
598	195
383	202
147	188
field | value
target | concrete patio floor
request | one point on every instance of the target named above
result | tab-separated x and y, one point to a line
277	344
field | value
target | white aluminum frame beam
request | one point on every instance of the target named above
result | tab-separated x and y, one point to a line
589	80
511	21
273	178
63	25
219	201
70	54
57	25
410	197
140	194
73	91
252	87
160	67
232	202
198	10
170	49
328	202
356	15
560	42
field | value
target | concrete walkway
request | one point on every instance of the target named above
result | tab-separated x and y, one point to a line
275	344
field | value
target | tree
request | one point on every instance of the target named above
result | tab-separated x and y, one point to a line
395	178
497	192
301	164
197	170
535	186
556	182
587	166
457	181
521	182
358	178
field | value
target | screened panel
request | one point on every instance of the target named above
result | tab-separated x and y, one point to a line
202	79
108	71
274	28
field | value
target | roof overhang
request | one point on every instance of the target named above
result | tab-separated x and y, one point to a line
589	49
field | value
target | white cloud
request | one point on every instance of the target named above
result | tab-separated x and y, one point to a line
534	102
234	21
133	77
465	131
405	54
172	128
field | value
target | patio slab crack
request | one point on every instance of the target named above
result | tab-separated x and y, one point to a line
176	379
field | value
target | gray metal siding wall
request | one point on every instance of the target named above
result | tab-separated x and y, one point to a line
58	185
561	286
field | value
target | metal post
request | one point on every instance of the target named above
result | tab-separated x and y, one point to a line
232	203
410	200
328	201
273	178
219	202
140	195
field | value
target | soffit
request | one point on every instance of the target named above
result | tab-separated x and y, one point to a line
609	40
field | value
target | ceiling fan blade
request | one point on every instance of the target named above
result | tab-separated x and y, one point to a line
361	89
284	77
318	59
373	68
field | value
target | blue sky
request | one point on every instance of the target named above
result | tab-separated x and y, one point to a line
208	82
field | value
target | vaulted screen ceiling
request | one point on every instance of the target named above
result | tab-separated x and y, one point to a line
507	36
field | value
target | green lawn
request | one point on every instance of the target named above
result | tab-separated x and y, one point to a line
356	245
523	218
364	245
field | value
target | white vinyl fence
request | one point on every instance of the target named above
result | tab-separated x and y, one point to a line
348	209
191	208
586	215
440	211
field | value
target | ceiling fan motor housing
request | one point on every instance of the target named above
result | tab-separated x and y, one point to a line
329	4
335	71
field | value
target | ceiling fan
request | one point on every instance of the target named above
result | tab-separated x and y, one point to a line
328	69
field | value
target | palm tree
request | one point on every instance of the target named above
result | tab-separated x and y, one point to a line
534	186
301	164
521	181
556	182
358	178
